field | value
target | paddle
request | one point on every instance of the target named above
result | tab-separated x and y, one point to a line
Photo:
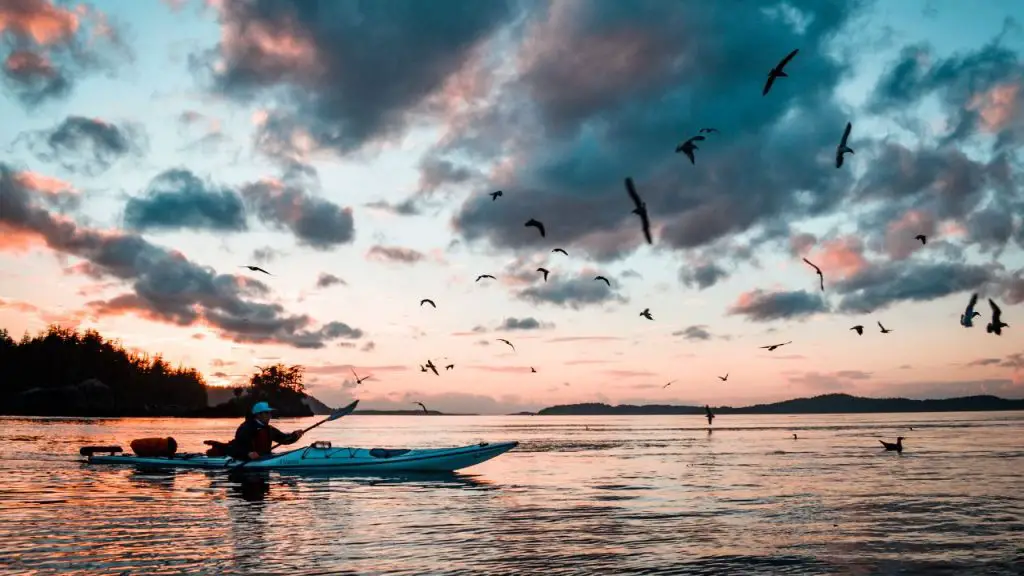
344	411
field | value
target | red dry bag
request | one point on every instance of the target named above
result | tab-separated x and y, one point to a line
154	447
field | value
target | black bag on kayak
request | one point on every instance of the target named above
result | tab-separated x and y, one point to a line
155	447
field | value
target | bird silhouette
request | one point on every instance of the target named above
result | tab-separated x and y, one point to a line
603	279
688	147
883	329
859	329
996	325
482	276
708	131
545	272
897	447
559	250
640	209
708	414
423	368
922	238
430	364
428	301
772	347
257	269
532	369
449	367
842	148
536	224
967	318
667	385
778	72
507	342
821	277
647	314
425	411
724	378
495	195
358	379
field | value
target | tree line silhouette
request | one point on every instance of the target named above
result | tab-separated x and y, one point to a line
61	372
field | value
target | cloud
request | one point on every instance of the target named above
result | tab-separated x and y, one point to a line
178	199
46	48
502	369
985	362
529	323
406	207
265	254
698	332
325	280
884	284
702	276
629	373
394	254
761	306
575	292
330	87
165	285
86	145
843	380
561	339
666	67
315	222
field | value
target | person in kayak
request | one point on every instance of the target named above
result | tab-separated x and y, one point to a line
255	436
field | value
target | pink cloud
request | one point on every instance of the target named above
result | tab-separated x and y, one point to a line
998	107
842	256
40	20
899	236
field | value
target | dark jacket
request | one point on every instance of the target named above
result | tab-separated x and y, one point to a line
252	436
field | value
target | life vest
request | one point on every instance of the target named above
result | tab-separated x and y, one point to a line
261	442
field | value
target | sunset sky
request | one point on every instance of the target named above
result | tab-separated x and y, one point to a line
151	148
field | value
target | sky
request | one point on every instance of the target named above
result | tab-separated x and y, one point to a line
150	149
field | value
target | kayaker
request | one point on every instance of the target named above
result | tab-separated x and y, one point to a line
255	436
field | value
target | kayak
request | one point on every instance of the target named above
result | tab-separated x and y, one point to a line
320	456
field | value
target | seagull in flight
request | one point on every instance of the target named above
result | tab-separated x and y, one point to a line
482	276
647	314
603	279
883	329
358	379
996	325
843	148
507	342
532	369
428	301
496	195
778	72
545	272
821	277
967	318
422	406
536	224
423	368
257	269
430	364
922	238
640	209
449	367
560	251
708	131
724	378
688	147
667	385
859	329
772	347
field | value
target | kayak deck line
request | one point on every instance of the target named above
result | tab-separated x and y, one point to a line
321	456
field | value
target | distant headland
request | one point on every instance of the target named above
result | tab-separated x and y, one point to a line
824	404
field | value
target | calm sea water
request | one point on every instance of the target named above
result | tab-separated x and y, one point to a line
629	495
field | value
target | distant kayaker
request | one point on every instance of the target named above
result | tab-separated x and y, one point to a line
255	436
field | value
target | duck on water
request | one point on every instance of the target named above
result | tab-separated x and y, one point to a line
897	447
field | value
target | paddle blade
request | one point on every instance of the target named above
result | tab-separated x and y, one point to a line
344	411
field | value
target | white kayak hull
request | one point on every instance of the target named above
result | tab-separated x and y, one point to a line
330	459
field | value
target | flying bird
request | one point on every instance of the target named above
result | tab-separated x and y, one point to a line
482	276
778	72
897	447
708	131
688	147
859	329
496	195
724	378
545	272
883	329
667	385
428	301
821	277
257	269
708	414
423	368
430	364
358	379
422	406
603	279
507	342
647	314
536	224
640	209
449	367
532	369
996	325
967	318
560	251
772	347
843	148
922	238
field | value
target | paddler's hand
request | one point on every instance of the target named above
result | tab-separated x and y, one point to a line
297	434
254	455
